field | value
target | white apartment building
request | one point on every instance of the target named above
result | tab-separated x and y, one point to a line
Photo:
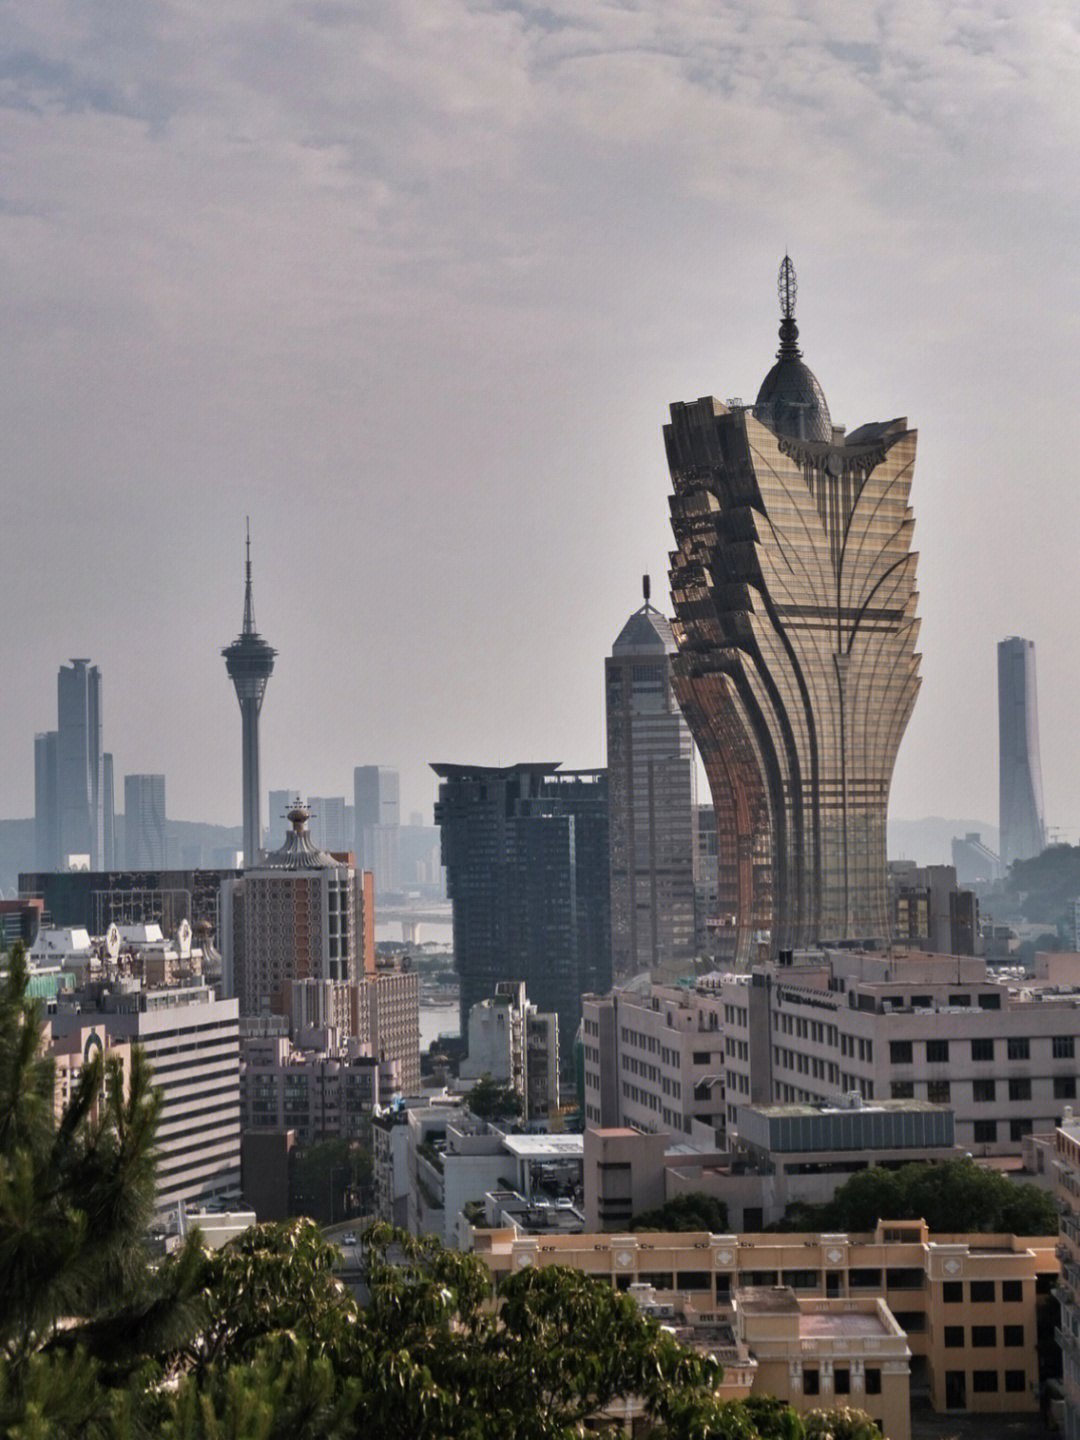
516	1045
654	1058
1002	1050
192	1042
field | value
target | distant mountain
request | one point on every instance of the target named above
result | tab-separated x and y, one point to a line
929	841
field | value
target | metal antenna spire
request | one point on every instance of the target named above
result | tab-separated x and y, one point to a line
248	627
646	589
787	288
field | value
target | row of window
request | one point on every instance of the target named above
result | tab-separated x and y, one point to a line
983	1337
982	1292
841	1380
984	1092
1017	1047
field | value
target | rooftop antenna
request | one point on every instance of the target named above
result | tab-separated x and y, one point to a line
646	589
788	289
249	601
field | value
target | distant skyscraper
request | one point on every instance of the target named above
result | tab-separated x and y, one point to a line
327	822
526	854
793	586
1023	832
144	822
250	663
377	821
651	801
73	776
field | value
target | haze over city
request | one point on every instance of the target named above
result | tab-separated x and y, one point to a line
414	288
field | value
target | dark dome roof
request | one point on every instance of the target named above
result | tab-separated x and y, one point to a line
791	402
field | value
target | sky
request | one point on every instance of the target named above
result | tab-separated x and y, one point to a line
412	285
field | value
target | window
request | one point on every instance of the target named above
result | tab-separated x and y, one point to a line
842	1381
982	1291
990	1002
937	1052
984	1132
1019	1128
1013	1335
1018	1048
811	1382
864	1279
905	1279
1015	1380
952	1292
954	1337
1020	1088
982	1049
1064	1087
702	1057
900	1052
903	1089
983	1337
1012	1290
1062	1047
983	1091
984	1382
937	1092
873	1381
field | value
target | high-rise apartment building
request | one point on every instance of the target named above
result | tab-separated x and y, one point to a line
298	914
377	822
526	854
249	661
1023	833
73	776
144	822
793	584
651	800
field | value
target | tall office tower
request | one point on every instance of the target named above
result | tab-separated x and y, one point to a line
793	582
73	776
1023	833
80	762
651	802
377	819
110	855
46	803
250	663
144	822
328	822
297	914
526	854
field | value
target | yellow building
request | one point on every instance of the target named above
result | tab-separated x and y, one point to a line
966	1304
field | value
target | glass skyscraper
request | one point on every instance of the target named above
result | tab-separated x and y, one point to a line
1023	831
526	854
793	583
652	802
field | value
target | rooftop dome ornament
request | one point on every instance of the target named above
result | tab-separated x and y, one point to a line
787	288
791	402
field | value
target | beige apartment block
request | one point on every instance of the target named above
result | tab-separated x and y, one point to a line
1067	1190
654	1058
818	1353
967	1304
1001	1049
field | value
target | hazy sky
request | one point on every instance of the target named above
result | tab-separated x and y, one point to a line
413	283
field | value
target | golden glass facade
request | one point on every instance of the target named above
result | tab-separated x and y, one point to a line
793	585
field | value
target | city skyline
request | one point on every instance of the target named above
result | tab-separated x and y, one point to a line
446	295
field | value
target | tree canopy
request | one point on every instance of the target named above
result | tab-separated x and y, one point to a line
693	1211
953	1197
489	1100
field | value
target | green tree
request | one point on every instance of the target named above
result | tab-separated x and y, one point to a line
488	1100
953	1197
80	1303
693	1211
842	1422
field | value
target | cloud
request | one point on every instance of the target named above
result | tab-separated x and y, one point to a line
427	275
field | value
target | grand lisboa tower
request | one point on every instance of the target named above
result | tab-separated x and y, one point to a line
793	586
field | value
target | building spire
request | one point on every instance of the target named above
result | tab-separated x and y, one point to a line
248	627
788	289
